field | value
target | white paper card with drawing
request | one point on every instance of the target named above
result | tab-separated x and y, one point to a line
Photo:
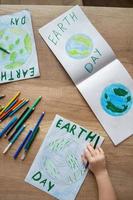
18	56
100	77
58	168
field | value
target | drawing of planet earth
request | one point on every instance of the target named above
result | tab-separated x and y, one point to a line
62	162
79	46
18	43
116	99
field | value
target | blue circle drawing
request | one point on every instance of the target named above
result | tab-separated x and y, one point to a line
79	46
116	99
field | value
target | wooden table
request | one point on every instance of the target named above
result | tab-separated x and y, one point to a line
61	96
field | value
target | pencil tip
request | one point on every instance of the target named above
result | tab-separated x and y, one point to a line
23	156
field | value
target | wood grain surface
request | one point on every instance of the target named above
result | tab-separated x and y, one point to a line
61	96
42	2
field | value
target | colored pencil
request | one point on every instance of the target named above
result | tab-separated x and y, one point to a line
4	50
29	143
6	128
19	107
24	118
22	144
27	115
9	103
7	113
1	107
38	122
95	145
36	102
17	103
14	139
16	129
2	96
20	117
8	110
29	135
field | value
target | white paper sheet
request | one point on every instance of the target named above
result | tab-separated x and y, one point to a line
100	77
16	37
58	168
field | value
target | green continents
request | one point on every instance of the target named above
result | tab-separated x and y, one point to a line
59	144
27	43
51	168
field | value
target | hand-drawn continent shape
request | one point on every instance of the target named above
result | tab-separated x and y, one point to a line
18	43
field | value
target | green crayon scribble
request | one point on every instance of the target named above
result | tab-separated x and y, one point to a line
72	162
28	43
11	47
74	52
83	40
17	41
1	33
51	168
14	65
59	144
13	56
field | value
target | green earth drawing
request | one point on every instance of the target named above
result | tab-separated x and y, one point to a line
19	45
60	157
116	99
79	46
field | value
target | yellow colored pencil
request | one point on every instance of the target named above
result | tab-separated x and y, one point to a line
21	101
9	103
1	107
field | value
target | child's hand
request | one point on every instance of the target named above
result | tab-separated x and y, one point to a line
96	160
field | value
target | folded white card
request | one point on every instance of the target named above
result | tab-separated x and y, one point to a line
18	57
58	168
100	77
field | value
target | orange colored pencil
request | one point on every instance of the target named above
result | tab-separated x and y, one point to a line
5	113
22	100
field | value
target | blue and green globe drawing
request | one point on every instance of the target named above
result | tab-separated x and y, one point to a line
116	99
79	46
18	43
61	162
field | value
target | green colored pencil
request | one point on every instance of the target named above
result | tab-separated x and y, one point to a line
29	112
36	102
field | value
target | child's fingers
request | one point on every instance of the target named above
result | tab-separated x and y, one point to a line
91	150
88	154
100	150
97	151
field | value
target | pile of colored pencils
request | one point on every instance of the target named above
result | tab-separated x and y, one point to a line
1	107
14	105
16	124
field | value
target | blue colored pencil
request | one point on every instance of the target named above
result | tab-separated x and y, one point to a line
20	117
29	143
32	136
5	129
18	108
14	139
36	126
12	104
38	122
22	144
